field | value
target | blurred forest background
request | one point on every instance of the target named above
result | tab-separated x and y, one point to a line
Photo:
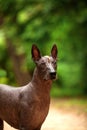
44	22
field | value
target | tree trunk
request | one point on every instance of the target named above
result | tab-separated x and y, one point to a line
21	77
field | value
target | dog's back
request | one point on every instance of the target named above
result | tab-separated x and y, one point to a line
9	104
23	105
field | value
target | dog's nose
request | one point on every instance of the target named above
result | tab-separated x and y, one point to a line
52	75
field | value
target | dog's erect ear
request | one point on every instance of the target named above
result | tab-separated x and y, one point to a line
35	53
54	51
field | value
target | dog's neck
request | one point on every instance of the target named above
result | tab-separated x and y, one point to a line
39	82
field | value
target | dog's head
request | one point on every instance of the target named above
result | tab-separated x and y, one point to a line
46	65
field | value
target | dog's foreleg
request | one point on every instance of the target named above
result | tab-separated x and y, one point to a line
22	128
1	124
38	128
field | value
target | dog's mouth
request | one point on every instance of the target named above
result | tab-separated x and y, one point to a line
53	76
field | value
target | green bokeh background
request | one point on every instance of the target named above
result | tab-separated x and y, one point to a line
44	23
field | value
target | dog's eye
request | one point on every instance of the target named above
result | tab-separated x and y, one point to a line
54	62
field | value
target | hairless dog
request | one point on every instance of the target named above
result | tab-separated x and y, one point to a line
26	107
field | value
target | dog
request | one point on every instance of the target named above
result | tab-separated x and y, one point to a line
26	107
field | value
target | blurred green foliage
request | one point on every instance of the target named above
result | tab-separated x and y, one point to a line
43	22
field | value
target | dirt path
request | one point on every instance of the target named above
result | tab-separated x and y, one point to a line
62	120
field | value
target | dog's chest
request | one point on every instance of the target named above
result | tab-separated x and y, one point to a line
40	112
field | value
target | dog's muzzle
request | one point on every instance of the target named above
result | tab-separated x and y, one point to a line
52	75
